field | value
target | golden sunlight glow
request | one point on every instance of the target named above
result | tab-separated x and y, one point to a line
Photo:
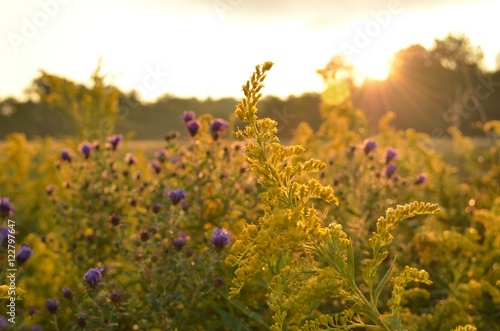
373	66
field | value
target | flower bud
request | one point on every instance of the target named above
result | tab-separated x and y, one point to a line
52	305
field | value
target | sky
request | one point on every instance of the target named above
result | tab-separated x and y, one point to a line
208	48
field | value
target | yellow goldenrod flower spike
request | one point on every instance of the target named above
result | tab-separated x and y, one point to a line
288	221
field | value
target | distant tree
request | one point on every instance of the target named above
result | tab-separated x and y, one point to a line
32	119
468	108
455	52
414	57
94	110
432	89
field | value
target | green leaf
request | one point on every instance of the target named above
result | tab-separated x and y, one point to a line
152	299
216	326
393	321
350	260
383	281
249	313
229	320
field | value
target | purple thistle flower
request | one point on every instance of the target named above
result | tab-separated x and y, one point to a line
4	234
36	327
177	195
81	322
218	282
217	126
188	115
5	207
390	154
86	149
161	156
155	208
66	156
93	276
4	323
390	170
421	179
370	145
130	159
220	237
52	305
115	219
133	202
193	127
114	140
155	165
67	293
24	253
145	235
115	297
179	242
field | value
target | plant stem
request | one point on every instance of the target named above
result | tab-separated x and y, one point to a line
55	322
368	309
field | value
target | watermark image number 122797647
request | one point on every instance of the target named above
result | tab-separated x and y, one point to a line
11	271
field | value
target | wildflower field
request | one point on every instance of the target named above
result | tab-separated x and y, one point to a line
227	228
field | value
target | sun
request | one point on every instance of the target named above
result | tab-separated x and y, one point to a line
372	65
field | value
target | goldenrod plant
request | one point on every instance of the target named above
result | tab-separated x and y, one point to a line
287	222
313	263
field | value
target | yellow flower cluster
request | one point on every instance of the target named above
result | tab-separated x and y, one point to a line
292	292
4	292
402	280
341	321
392	217
465	328
288	221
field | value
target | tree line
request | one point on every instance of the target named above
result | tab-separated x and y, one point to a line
427	89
